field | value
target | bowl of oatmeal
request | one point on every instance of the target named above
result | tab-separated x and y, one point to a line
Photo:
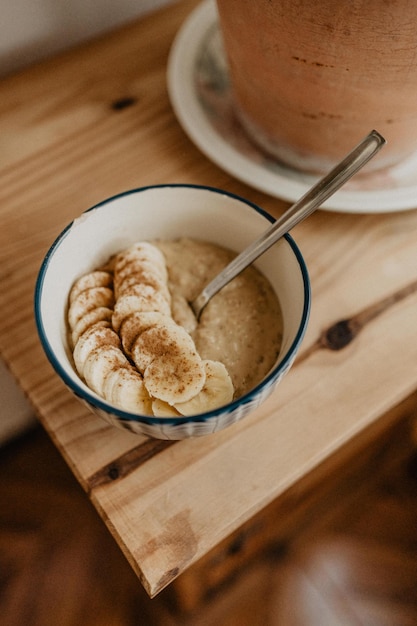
113	316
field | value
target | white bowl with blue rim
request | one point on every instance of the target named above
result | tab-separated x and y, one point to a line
168	212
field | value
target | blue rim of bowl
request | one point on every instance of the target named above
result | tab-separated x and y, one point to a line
125	416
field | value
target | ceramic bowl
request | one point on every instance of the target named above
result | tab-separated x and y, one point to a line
168	211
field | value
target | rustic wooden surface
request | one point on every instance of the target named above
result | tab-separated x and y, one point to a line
350	560
97	121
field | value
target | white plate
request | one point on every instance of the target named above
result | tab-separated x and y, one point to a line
199	89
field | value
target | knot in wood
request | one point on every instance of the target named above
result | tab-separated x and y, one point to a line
123	103
113	472
339	335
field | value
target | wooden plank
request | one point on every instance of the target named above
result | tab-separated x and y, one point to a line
307	508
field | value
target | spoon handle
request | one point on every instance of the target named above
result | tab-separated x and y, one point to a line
311	200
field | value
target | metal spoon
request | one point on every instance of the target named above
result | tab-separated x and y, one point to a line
311	200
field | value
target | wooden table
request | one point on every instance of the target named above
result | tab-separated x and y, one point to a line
96	121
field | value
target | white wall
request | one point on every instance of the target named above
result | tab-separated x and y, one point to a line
31	30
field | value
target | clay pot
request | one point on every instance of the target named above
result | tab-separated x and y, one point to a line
311	78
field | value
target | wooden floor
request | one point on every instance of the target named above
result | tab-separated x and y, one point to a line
60	567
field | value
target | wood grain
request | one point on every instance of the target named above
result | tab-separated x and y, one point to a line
96	121
338	551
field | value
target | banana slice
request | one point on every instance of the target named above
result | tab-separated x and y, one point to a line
143	251
166	356
126	266
134	258
137	323
163	409
97	278
124	388
88	300
166	340
99	363
183	313
217	391
94	337
144	264
175	379
148	300
128	285
101	315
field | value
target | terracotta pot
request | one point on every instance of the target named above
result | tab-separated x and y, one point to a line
310	79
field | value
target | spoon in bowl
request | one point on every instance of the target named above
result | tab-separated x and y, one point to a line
301	209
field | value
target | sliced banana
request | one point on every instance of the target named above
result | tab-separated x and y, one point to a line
99	363
124	388
183	313
141	264
136	323
143	323
143	251
97	278
128	262
128	285
100	315
166	340
175	379
94	337
149	300
88	300
217	391
156	344
163	409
